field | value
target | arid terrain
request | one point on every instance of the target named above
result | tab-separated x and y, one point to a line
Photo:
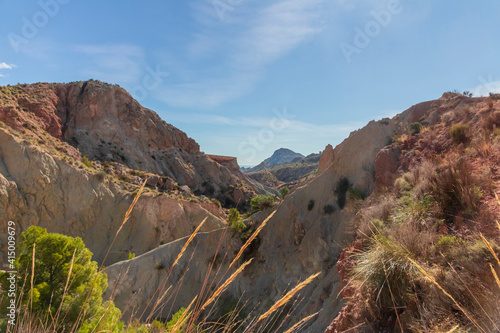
399	221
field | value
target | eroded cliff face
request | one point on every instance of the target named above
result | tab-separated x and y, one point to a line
37	188
104	123
305	236
41	185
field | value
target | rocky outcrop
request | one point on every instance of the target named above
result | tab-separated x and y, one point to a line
386	165
106	124
229	162
326	159
37	188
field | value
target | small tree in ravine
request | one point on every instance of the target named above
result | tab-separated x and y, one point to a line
284	191
234	220
54	299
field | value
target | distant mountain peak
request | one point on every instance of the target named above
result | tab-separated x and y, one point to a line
283	155
280	156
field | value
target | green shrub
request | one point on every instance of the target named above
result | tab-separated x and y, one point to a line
460	133
284	191
53	256
415	128
310	205
329	209
261	202
86	162
175	318
234	220
101	175
385	264
449	241
494	96
216	202
341	190
131	255
356	193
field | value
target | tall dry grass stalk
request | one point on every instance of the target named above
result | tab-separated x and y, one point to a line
392	298
295	327
125	219
490	248
190	239
56	317
32	277
225	284
472	320
474	297
83	310
495	275
247	243
282	301
184	318
161	288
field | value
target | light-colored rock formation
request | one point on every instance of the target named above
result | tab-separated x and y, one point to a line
326	159
305	236
106	124
386	165
39	189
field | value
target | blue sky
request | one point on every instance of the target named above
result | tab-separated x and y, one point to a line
246	77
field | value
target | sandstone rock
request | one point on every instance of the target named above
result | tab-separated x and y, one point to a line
295	243
326	159
106	124
386	165
39	189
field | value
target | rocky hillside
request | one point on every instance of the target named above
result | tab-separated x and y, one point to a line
419	186
105	124
73	156
314	225
435	203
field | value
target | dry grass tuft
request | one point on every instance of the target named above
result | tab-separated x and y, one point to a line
282	301
448	295
301	322
249	241
190	239
225	284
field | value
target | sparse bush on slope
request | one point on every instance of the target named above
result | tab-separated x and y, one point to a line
422	265
261	202
460	133
234	220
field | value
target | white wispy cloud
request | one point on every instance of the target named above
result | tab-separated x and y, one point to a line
3	65
265	35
